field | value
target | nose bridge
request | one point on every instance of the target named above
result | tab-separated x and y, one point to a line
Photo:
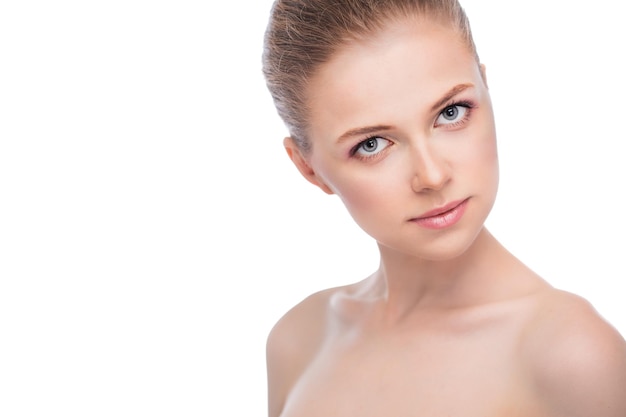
430	170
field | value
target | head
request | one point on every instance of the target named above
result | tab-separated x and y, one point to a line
302	35
388	108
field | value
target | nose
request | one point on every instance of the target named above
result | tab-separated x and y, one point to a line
430	171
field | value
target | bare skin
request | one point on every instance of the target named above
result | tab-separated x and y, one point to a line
524	349
451	324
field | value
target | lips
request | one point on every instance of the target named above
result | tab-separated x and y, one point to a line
444	216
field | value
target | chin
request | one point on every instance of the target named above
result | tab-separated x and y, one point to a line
443	252
442	248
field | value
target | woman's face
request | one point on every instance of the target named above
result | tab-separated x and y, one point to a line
402	131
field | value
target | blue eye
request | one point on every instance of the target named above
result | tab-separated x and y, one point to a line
371	146
451	114
454	114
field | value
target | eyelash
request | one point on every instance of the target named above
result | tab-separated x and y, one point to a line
468	105
355	149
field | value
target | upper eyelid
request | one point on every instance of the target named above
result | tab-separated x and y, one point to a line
470	104
457	102
467	104
354	152
452	95
372	136
364	133
356	147
469	108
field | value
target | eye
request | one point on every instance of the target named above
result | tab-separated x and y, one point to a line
453	114
370	147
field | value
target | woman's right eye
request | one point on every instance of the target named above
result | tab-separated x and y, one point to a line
370	147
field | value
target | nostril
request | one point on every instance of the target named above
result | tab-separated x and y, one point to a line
430	175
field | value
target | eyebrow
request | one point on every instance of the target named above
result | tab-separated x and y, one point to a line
448	96
368	130
362	131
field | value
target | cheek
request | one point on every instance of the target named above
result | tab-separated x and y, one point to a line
484	158
489	150
368	194
362	193
475	162
480	143
485	153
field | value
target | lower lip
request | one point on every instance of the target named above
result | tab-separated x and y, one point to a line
443	220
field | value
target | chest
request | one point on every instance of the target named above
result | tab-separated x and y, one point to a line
410	377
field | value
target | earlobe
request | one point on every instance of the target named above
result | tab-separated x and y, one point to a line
296	156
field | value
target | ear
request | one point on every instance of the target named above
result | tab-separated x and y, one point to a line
483	74
296	156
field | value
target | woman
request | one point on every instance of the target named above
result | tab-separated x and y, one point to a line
388	108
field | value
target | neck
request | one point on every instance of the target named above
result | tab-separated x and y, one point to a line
406	283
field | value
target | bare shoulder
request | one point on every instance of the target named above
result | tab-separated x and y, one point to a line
293	343
576	359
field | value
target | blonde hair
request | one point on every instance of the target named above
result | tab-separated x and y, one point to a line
302	35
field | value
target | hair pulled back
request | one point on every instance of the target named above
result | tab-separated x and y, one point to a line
302	35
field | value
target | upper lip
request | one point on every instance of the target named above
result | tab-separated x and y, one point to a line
440	210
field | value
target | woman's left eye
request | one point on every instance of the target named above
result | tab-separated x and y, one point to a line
452	114
370	147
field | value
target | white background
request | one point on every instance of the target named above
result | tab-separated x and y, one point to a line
152	229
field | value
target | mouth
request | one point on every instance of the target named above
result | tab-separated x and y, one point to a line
444	216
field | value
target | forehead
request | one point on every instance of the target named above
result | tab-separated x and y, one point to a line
403	68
